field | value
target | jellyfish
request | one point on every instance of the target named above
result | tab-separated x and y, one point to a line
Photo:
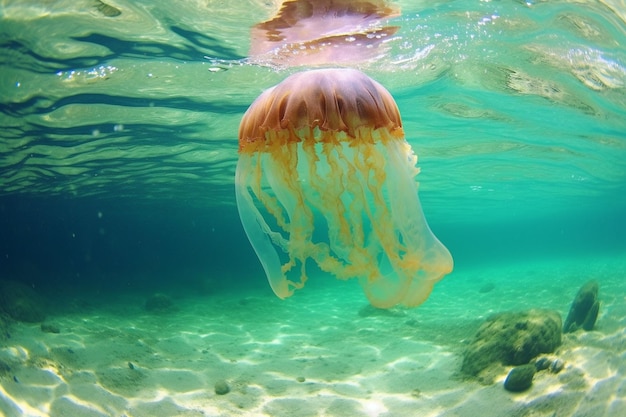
314	32
325	177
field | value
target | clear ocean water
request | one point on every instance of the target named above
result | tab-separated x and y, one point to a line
118	147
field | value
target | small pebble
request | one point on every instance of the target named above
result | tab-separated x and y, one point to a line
520	378
221	388
487	287
542	363
300	379
557	366
50	328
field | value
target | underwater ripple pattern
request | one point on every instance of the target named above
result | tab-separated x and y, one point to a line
503	101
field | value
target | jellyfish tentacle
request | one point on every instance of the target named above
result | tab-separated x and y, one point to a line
283	180
327	178
426	259
258	231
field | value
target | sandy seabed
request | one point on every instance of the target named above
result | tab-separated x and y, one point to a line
323	352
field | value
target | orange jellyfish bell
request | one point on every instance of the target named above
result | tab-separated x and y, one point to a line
325	174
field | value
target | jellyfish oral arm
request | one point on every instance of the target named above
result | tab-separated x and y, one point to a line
259	233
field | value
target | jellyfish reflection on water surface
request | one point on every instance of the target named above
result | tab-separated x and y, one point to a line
321	32
325	174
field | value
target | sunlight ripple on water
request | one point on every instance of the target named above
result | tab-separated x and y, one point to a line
497	97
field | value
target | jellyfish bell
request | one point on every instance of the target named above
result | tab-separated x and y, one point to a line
315	32
325	176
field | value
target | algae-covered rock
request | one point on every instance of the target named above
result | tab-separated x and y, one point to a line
21	302
512	338
520	378
584	310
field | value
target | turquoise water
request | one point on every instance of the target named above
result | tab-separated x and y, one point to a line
118	146
516	112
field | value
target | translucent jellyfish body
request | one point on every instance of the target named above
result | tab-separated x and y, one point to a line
325	176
